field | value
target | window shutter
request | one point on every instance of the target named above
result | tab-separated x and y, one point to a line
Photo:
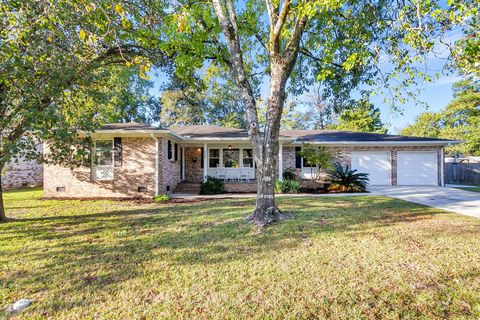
201	157
298	159
176	151
117	151
169	148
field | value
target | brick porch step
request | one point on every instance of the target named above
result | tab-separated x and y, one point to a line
188	188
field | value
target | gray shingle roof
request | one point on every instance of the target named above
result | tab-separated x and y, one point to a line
128	126
334	136
204	131
305	136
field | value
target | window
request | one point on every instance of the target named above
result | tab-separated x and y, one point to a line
103	160
214	158
103	152
176	151
169	150
231	158
307	164
247	158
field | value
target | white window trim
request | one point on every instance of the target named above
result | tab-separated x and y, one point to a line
105	166
240	159
220	157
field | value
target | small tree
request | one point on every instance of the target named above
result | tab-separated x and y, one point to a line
317	158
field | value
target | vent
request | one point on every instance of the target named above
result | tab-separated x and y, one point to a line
142	189
60	189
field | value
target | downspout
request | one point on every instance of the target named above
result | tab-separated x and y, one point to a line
442	166
157	145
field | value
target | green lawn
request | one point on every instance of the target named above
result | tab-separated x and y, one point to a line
340	258
473	189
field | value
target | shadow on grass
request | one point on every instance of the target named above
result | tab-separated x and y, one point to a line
93	251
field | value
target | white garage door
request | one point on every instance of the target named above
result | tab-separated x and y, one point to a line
417	168
376	164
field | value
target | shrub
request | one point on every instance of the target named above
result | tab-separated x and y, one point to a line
289	174
345	179
290	186
211	185
278	186
287	186
162	198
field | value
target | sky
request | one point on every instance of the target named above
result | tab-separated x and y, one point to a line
435	95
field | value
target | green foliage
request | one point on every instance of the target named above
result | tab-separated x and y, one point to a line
362	117
345	179
206	100
287	186
289	174
460	120
162	198
277	187
212	185
319	156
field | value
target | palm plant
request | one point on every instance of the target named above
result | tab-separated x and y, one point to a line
344	179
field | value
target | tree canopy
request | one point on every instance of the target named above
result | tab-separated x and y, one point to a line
459	120
362	117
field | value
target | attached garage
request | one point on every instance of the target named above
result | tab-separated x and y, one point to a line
417	168
376	164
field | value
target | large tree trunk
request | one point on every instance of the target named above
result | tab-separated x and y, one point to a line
265	144
3	217
266	211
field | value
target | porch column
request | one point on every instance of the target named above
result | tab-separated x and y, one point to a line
280	161
205	161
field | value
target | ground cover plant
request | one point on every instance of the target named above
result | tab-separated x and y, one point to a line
361	257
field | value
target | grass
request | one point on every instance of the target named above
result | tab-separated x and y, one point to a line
473	189
340	258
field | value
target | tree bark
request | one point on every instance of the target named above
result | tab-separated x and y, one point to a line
265	144
3	216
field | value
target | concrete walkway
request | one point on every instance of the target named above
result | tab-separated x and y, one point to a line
450	199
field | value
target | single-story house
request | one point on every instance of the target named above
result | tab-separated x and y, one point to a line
134	160
22	173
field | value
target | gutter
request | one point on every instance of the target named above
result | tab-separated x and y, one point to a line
381	143
157	145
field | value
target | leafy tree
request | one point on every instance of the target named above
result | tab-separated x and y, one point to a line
129	98
297	43
211	99
317	158
56	61
363	117
460	120
319	114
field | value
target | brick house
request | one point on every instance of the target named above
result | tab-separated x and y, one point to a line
22	173
136	160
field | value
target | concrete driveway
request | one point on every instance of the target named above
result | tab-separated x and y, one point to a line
450	199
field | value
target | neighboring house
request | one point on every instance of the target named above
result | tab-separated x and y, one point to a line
22	173
133	160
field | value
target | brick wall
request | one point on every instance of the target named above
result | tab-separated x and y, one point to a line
193	170
170	169
343	155
138	169
22	174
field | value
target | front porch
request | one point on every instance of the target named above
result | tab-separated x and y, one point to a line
232	163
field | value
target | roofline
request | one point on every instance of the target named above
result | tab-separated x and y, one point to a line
133	133
383	143
210	139
290	140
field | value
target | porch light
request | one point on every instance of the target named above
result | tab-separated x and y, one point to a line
229	147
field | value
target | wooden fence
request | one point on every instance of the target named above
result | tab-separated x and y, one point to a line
462	172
